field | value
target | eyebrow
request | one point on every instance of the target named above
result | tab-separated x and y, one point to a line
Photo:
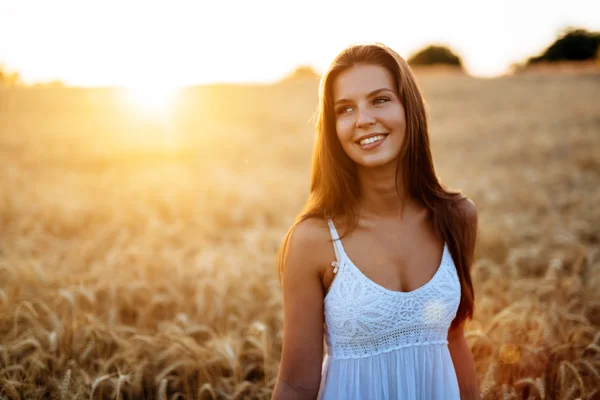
373	93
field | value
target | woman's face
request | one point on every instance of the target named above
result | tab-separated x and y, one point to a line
370	119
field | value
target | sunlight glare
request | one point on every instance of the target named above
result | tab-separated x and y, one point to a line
150	117
151	100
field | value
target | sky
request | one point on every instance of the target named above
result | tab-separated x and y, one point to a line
177	43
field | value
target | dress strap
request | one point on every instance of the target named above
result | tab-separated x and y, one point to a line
337	245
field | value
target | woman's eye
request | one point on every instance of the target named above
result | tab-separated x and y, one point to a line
344	110
381	100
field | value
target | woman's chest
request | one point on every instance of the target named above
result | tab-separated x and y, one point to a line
356	306
396	262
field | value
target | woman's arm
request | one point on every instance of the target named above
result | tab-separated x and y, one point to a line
464	365
302	354
462	358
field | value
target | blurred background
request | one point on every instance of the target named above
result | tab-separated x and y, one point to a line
153	155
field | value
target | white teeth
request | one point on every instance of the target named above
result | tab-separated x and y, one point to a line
371	139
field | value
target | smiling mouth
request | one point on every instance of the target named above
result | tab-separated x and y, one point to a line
371	139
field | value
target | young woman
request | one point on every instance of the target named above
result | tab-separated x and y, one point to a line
391	294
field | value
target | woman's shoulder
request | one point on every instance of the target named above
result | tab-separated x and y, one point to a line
459	204
467	210
310	241
310	233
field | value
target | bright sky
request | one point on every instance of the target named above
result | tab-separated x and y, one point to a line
175	42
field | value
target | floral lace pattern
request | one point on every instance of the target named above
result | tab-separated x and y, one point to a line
363	318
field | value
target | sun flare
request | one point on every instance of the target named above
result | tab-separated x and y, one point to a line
154	101
150	117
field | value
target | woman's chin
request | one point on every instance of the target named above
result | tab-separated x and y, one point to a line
376	162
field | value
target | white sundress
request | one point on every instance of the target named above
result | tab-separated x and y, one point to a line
384	344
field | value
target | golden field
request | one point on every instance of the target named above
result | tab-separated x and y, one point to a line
137	254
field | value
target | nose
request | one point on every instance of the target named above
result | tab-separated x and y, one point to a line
364	118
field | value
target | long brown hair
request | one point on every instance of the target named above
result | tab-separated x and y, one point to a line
334	188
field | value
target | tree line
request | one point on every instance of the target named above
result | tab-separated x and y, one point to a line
573	44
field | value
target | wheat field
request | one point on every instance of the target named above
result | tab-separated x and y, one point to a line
137	255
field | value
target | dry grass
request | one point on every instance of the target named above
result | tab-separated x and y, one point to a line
129	272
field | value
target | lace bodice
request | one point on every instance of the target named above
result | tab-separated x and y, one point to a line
362	318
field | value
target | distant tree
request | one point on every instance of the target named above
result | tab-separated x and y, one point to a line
435	55
302	72
9	78
573	45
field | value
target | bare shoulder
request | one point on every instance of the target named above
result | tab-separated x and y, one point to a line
309	245
311	232
468	210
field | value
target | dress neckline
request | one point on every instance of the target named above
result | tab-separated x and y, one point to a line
376	285
397	292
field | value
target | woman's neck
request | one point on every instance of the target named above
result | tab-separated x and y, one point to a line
379	196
